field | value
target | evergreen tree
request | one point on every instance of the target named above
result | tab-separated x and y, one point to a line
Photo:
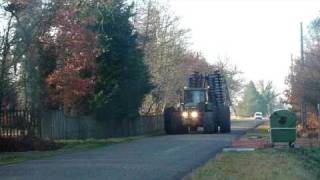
252	101
122	76
269	95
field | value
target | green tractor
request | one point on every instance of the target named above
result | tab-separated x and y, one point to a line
204	103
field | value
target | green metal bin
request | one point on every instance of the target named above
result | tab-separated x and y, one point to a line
283	127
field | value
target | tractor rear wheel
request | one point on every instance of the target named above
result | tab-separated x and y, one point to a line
225	122
209	123
167	115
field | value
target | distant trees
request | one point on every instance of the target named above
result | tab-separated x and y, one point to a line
251	101
257	98
268	95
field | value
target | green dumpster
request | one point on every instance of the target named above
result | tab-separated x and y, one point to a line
283	127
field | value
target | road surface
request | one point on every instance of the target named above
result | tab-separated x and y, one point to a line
163	157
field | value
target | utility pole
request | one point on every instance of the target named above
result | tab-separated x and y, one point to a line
292	65
303	103
302	43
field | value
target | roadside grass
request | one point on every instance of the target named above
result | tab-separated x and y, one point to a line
311	159
261	132
238	118
261	164
94	143
270	163
68	146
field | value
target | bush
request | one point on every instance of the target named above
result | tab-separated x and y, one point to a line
311	158
26	144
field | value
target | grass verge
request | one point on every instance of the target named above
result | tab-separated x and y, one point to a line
237	118
279	163
261	132
311	159
261	164
68	146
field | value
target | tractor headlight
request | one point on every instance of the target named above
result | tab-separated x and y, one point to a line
194	114
185	114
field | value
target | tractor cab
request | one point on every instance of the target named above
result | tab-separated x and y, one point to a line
194	103
194	97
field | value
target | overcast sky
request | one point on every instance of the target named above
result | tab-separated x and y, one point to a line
258	35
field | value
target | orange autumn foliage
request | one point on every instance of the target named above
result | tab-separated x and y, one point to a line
73	80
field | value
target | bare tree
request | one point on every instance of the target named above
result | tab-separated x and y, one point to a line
164	45
8	67
233	76
304	79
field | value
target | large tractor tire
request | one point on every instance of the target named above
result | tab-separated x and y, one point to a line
173	122
168	116
224	119
209	123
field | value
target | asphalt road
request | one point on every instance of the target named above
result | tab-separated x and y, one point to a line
163	157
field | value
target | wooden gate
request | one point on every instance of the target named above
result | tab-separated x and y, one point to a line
18	123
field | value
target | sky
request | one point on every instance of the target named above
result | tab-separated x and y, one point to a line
258	36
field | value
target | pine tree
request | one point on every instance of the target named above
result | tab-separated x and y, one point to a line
122	76
251	102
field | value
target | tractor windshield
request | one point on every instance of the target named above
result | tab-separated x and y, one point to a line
194	97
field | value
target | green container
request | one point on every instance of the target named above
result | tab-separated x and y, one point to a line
283	127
